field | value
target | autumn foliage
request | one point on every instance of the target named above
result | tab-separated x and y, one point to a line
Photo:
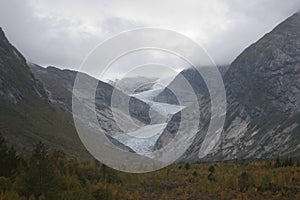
53	175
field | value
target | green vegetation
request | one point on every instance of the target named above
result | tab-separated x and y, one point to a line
27	116
23	126
44	175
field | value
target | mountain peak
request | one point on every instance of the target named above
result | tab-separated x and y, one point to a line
263	96
26	113
271	64
1	31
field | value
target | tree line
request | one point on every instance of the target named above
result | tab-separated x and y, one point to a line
51	174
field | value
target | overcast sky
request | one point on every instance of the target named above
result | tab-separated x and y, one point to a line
63	32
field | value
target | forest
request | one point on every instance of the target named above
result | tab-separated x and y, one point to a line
51	174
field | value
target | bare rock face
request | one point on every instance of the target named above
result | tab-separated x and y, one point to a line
269	70
263	96
263	101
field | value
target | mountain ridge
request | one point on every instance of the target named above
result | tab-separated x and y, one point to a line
27	116
263	94
261	121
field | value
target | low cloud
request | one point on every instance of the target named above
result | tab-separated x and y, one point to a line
62	33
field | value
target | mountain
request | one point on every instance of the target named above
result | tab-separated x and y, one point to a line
27	116
263	101
177	90
264	82
134	85
59	86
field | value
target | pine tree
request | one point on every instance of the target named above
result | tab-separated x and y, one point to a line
187	166
9	160
243	182
211	169
277	163
39	177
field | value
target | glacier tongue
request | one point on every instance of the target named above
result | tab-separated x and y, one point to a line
164	109
143	139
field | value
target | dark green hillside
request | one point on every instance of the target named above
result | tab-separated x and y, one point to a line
27	116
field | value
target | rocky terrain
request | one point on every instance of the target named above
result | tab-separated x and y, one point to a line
59	86
263	103
135	84
176	89
263	96
27	116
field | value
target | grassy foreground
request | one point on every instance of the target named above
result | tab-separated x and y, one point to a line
50	175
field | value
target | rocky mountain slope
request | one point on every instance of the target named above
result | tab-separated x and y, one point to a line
176	88
264	82
263	98
263	102
27	116
59	86
135	84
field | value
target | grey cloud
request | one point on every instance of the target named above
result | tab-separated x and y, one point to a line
252	20
52	40
49	40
